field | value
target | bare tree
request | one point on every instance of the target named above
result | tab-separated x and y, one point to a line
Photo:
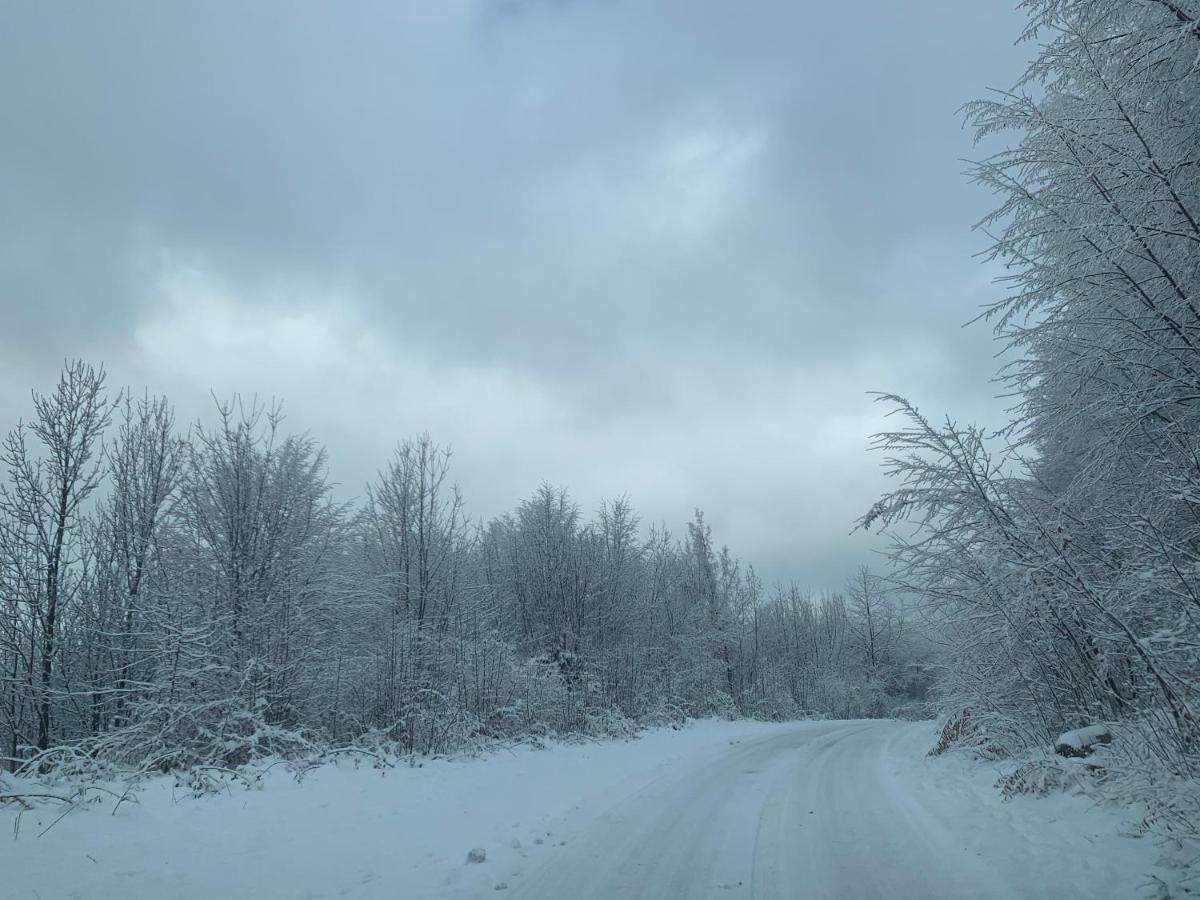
874	629
145	467
41	512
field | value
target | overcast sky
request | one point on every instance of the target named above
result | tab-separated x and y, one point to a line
655	248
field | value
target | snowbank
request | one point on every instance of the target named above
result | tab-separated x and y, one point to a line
1063	844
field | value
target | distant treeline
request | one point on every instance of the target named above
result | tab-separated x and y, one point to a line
172	597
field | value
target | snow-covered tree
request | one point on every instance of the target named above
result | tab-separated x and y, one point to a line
42	523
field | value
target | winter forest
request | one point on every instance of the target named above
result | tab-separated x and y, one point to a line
194	598
178	599
181	597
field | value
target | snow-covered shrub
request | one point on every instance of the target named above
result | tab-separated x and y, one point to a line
967	730
1171	794
220	732
610	722
724	706
914	712
1039	777
665	711
436	724
775	709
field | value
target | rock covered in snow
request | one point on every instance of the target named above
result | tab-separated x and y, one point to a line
477	855
1079	743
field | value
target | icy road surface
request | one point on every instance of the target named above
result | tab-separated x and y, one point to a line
714	810
815	811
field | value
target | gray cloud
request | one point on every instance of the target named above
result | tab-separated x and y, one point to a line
656	248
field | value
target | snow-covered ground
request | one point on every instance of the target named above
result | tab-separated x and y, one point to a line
719	809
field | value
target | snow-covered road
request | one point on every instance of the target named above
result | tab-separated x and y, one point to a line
814	811
717	809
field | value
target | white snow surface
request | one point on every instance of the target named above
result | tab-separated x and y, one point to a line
717	809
